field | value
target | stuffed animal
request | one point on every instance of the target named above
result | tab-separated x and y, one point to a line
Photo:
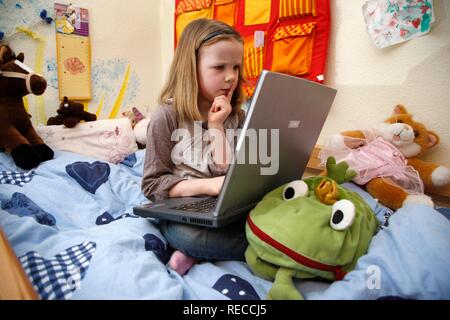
140	132
134	115
6	54
139	124
70	113
17	135
387	162
310	228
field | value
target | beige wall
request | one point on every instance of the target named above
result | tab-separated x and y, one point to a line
131	30
371	81
167	27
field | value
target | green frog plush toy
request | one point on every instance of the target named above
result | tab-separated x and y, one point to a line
310	228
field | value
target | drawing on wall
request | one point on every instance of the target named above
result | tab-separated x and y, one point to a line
74	65
115	83
51	73
391	22
21	13
114	75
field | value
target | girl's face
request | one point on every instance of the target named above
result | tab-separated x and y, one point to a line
218	70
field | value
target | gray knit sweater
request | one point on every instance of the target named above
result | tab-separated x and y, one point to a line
174	155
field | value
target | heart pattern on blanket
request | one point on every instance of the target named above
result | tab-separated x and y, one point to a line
157	246
89	175
445	212
22	206
235	288
16	178
106	218
129	160
57	278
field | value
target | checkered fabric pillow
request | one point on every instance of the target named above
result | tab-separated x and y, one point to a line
59	277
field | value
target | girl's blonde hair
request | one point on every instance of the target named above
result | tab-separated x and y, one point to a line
181	87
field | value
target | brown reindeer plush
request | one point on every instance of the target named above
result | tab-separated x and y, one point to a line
17	135
70	113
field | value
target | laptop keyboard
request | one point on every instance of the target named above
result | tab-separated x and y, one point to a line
205	206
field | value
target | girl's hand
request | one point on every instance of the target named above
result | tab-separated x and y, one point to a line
215	185
195	187
220	110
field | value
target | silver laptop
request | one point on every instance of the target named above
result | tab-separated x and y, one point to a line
286	114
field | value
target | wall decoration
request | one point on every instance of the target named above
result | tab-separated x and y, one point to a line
288	36
389	22
73	52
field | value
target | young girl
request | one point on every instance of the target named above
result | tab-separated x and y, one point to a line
202	94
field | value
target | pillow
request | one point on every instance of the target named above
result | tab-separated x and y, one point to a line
109	140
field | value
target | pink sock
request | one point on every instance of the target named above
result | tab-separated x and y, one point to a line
181	262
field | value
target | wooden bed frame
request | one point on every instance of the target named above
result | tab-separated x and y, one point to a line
14	283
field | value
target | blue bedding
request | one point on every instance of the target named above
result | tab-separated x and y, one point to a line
70	222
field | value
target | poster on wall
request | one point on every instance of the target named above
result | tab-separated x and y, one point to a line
73	54
389	22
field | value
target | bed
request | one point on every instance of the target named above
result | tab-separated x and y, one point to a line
69	232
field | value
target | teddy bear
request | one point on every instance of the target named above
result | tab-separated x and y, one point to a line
386	159
139	123
17	134
70	113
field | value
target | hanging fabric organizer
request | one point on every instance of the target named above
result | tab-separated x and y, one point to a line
287	36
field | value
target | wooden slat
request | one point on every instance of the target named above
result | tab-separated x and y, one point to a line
314	160
14	283
314	163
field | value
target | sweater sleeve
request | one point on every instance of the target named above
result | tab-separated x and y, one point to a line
158	177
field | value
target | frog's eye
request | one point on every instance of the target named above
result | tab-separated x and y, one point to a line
342	214
295	189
